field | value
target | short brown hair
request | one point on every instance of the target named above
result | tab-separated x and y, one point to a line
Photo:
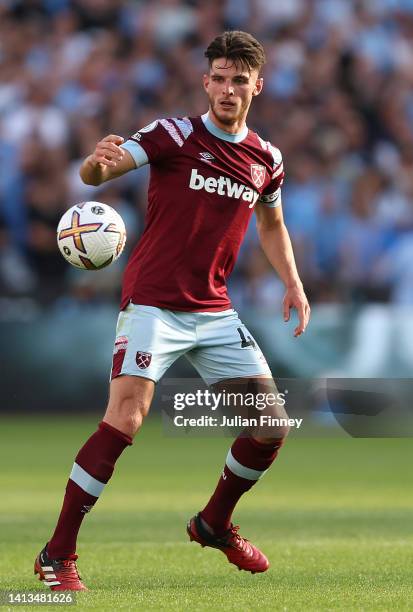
240	47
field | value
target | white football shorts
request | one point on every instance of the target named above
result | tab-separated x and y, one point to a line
149	340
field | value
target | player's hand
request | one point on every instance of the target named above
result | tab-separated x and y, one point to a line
107	151
296	298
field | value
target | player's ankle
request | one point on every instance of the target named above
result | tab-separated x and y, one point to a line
216	530
207	527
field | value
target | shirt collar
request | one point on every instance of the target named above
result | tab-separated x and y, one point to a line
216	131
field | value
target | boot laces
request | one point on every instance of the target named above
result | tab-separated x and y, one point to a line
235	538
68	569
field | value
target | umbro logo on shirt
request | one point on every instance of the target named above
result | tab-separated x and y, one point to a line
206	157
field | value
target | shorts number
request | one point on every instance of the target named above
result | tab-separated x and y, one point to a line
245	342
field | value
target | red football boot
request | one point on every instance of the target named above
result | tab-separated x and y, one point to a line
238	550
58	574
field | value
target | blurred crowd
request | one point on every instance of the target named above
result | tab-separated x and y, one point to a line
337	101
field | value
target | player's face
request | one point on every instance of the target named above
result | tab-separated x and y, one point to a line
230	89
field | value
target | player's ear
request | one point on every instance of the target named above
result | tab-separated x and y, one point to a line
258	86
205	80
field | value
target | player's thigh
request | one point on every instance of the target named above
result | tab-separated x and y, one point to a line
148	341
226	349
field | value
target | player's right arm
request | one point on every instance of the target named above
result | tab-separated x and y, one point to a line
155	142
107	161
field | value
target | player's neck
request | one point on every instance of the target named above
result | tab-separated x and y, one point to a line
235	128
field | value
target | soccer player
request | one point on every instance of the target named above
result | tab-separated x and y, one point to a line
208	175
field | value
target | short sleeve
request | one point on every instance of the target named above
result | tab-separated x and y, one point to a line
271	196
159	140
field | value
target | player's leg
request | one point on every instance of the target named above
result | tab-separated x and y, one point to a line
130	398
250	456
129	403
235	352
148	341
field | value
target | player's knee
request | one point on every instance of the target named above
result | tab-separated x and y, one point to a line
133	410
283	432
126	420
127	413
276	437
129	402
132	423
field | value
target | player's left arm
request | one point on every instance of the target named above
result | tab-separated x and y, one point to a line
276	244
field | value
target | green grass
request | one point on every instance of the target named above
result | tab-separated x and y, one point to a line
333	515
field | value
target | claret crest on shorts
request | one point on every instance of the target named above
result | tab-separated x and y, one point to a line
143	360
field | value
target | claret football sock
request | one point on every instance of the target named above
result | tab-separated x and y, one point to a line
92	469
247	461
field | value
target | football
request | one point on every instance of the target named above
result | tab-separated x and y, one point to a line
91	235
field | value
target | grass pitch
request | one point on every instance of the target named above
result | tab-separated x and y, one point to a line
334	517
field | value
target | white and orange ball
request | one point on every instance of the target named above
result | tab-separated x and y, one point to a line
91	235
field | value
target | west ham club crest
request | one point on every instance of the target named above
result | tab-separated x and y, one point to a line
258	175
143	360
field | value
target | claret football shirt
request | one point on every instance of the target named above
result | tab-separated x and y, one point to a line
204	185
